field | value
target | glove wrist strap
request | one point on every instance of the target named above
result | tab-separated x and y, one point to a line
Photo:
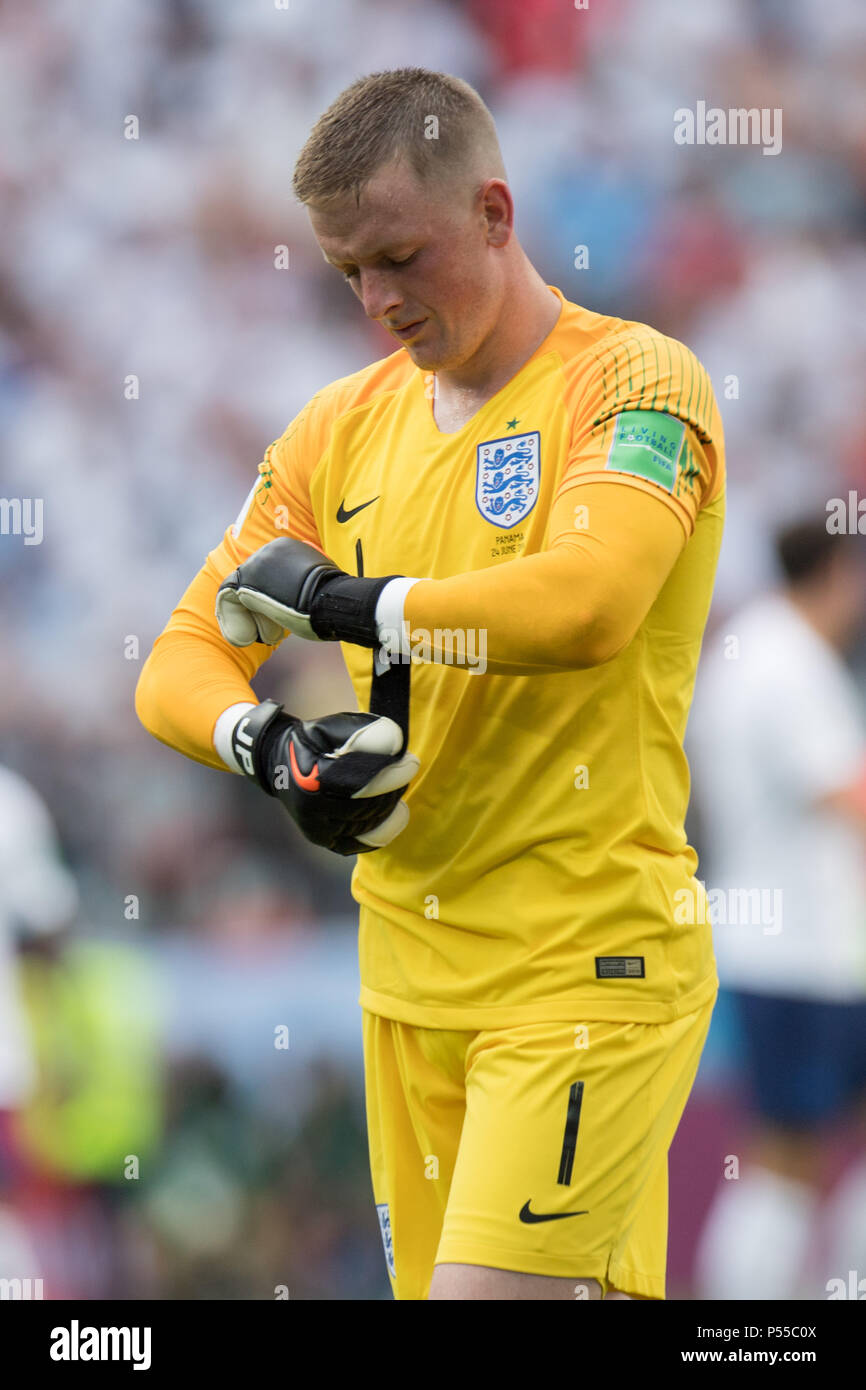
344	610
251	738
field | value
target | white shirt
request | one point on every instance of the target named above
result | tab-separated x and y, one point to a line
36	892
776	725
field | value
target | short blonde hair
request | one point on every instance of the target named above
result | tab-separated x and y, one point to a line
438	122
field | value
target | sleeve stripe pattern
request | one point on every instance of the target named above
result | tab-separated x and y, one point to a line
680	386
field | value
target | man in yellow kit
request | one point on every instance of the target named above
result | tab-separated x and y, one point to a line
522	508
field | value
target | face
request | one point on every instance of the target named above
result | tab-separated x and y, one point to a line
422	260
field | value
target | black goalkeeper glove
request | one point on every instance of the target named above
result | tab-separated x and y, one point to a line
288	585
340	777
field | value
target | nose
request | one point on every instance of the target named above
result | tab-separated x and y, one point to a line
378	294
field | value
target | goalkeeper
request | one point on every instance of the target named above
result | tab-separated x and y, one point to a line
542	485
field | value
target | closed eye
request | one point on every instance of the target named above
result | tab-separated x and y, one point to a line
386	260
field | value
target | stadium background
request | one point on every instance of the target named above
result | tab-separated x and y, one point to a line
154	257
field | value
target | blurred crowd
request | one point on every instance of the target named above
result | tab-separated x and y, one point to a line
150	350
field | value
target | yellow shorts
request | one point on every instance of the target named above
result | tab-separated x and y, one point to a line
541	1148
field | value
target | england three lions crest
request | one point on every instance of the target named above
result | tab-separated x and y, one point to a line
506	478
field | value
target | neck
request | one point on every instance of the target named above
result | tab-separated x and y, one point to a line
529	312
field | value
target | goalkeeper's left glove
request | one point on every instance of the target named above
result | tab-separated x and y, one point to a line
288	585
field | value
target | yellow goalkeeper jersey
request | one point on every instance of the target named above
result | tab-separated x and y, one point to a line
545	868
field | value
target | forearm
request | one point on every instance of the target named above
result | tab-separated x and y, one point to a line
178	699
192	676
538	614
573	606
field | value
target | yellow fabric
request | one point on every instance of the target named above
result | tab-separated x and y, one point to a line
192	675
572	606
546	823
466	1127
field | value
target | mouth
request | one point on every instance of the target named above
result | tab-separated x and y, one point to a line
409	330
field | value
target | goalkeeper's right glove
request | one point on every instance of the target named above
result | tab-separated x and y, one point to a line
339	777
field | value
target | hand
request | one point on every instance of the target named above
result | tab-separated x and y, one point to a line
339	777
288	585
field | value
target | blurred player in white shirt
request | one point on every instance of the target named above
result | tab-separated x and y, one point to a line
38	896
778	749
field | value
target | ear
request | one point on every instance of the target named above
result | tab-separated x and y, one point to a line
497	207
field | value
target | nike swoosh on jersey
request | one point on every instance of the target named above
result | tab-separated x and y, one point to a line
531	1216
343	515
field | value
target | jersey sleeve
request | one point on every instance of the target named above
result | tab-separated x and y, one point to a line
192	674
573	605
641	413
644	414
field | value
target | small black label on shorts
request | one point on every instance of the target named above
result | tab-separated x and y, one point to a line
619	968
